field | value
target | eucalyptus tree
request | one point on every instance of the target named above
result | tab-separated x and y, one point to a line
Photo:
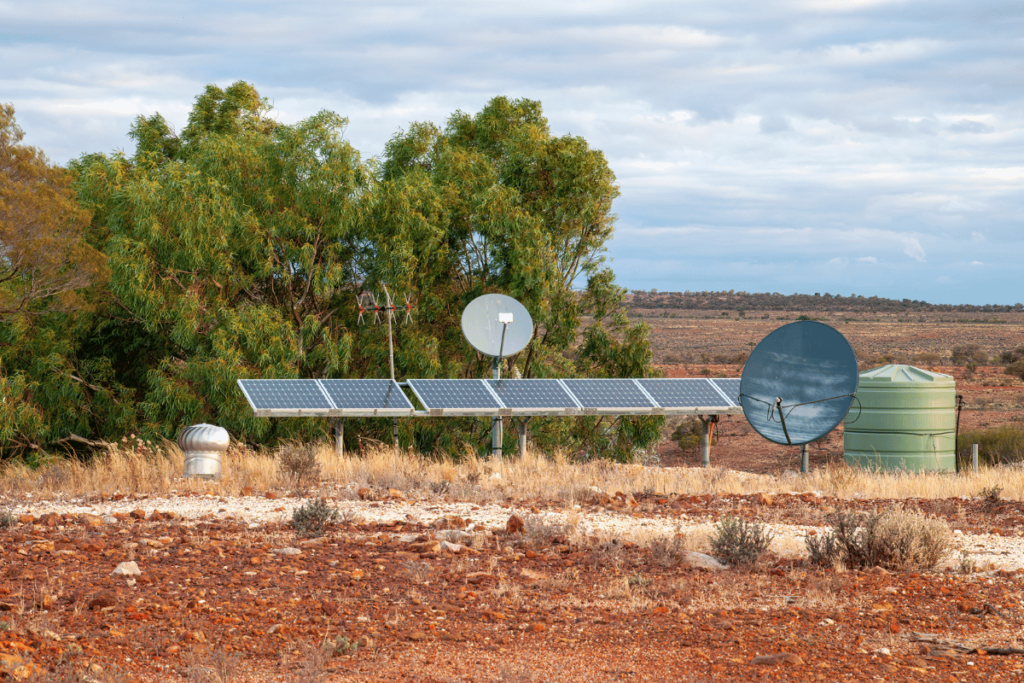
46	266
231	251
495	203
238	248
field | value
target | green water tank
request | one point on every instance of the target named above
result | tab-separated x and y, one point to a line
904	418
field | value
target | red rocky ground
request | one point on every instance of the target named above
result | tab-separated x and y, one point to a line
512	609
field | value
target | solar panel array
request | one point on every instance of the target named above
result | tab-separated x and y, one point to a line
384	398
326	397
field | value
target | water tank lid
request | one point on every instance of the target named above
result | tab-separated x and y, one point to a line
904	374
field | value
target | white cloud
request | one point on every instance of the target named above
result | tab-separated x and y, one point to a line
912	248
773	138
867	259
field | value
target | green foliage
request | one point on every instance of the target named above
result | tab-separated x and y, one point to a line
1012	356
894	539
996	446
1015	369
689	434
237	249
313	518
739	542
7	519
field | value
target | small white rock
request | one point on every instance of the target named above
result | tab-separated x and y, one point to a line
454	548
287	551
126	569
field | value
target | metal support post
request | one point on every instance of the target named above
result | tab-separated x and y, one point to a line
522	437
496	435
805	459
394	433
705	441
339	435
974	457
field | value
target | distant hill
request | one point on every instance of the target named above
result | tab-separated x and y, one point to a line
744	301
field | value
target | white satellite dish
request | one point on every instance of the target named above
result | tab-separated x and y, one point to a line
497	325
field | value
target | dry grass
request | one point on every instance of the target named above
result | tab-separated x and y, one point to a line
140	468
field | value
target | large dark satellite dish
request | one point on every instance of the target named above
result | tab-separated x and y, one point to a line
799	382
488	317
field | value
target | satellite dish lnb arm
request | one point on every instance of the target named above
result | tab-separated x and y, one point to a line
782	418
504	319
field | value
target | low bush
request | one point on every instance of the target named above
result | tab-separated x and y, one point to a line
7	519
298	464
1015	369
314	517
1012	356
895	539
969	354
739	542
997	446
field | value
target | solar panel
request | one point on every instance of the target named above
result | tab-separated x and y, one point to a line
534	396
683	393
455	396
611	396
730	387
280	396
367	397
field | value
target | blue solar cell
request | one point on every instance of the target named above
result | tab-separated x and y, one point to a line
454	394
730	386
366	394
608	393
531	393
284	394
683	392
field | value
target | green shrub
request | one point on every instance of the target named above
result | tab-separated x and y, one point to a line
7	519
1016	369
969	354
688	434
314	517
996	446
894	539
1012	356
739	542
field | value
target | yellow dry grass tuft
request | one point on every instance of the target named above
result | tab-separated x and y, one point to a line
142	468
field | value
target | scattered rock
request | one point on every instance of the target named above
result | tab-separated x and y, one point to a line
50	519
126	569
270	495
787	658
395	493
425	547
286	551
702	561
90	520
515	525
416	636
103	600
365	494
137	514
247	491
27	519
453	548
156	516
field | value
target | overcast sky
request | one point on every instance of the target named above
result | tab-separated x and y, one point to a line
873	147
